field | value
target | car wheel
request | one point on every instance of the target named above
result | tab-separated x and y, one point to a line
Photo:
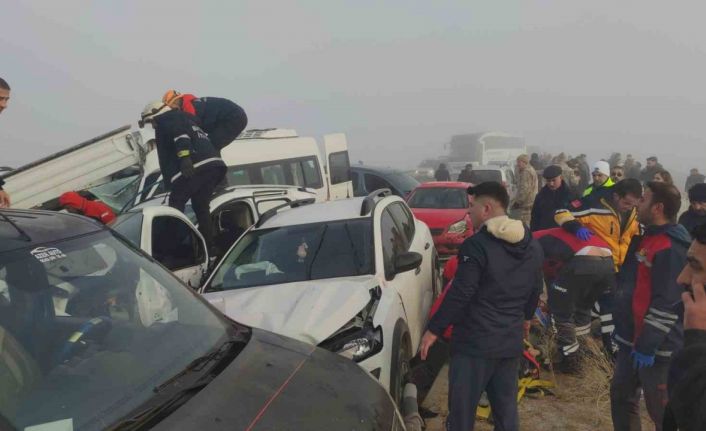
400	366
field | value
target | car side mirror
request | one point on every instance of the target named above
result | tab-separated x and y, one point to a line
407	261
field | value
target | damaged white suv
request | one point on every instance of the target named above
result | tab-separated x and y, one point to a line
354	276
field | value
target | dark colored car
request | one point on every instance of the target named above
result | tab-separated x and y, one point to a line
367	179
95	335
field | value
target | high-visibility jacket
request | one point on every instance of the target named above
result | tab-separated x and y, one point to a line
604	221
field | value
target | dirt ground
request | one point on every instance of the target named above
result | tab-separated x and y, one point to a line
565	411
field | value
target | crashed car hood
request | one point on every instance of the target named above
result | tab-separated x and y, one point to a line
439	218
308	311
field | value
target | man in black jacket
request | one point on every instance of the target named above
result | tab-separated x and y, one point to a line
696	214
191	168
554	195
466	175
686	410
493	296
694	178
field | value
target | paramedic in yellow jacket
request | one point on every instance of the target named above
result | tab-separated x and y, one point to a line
614	219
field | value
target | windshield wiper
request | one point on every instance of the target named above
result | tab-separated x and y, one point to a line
172	394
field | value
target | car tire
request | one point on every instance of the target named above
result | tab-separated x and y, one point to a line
401	356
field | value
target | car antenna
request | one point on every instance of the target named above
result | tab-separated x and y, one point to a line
19	229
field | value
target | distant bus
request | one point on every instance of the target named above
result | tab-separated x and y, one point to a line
489	148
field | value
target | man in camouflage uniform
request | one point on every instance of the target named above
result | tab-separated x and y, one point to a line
526	178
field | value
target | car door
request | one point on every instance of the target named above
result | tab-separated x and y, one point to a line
338	166
170	238
397	236
373	182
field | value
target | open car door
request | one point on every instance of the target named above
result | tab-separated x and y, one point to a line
170	238
338	176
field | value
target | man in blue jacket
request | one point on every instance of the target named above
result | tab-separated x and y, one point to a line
493	296
191	167
648	309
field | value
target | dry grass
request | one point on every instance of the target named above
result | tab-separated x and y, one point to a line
593	383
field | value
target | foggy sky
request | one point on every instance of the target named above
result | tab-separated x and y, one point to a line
398	78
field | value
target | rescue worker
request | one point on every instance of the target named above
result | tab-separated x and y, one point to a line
694	178
4	99
696	214
466	175
614	220
191	168
75	203
492	298
687	384
554	195
442	174
223	120
526	178
648	309
576	273
602	182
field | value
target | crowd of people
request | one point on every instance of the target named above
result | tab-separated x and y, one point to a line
609	242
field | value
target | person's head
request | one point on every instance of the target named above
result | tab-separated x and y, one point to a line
660	204
522	161
582	157
695	269
697	198
651	162
4	94
663	177
617	173
442	166
173	99
626	194
489	199
694	171
151	111
534	157
552	177
600	173
469	166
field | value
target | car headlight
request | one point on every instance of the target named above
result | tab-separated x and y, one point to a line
358	339
458	227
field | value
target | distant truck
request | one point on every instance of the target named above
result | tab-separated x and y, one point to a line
487	148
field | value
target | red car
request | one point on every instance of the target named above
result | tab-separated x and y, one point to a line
443	206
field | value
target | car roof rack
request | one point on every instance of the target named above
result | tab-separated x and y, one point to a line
370	201
273	211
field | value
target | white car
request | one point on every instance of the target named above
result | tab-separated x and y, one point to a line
355	276
171	237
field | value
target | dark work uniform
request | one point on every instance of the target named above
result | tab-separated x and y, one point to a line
495	289
574	283
648	319
546	203
690	219
178	136
223	120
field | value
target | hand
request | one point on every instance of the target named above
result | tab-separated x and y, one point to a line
640	361
4	199
187	168
428	340
584	233
695	307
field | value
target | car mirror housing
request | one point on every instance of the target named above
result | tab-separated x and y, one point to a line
407	261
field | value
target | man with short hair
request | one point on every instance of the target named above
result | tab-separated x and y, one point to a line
687	390
466	175
617	174
526	178
647	309
493	296
653	166
554	195
694	178
696	214
4	99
